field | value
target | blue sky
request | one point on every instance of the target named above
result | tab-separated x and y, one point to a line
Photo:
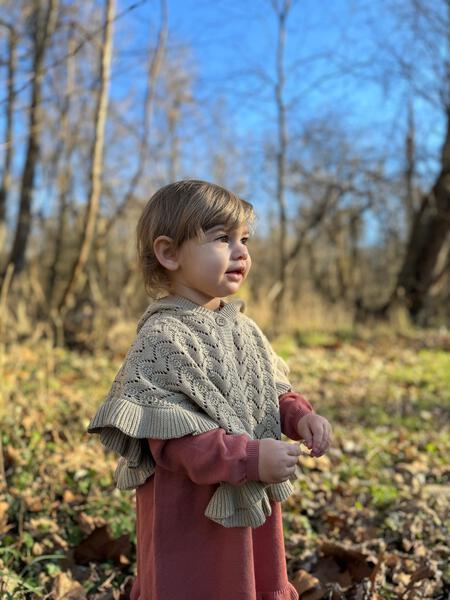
231	45
230	41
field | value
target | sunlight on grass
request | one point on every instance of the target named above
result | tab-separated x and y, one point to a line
384	396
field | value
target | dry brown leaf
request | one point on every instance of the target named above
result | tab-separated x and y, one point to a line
100	546
328	570
358	564
59	541
4	527
42	525
403	578
66	588
69	497
37	549
314	594
423	572
434	489
413	468
304	581
32	503
87	522
14	456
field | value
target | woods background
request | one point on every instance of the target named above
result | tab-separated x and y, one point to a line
333	120
102	104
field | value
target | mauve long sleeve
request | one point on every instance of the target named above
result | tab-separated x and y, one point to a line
210	457
293	406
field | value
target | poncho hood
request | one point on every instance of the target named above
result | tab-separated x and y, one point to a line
169	304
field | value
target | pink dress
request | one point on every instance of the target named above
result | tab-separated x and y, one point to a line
183	555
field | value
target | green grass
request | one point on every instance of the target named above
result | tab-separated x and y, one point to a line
387	397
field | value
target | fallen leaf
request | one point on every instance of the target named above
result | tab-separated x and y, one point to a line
423	572
434	489
314	594
69	497
100	546
328	570
343	565
66	588
4	527
304	581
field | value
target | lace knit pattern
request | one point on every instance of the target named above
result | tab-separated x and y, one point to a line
188	371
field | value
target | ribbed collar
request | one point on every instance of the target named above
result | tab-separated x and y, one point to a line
226	309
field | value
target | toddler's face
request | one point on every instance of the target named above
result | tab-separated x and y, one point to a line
214	266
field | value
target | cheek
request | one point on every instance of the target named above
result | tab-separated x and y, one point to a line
210	262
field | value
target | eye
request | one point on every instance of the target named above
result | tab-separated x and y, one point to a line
245	240
222	237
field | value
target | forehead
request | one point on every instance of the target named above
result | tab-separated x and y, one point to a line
223	227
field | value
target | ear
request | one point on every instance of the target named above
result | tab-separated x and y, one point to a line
166	253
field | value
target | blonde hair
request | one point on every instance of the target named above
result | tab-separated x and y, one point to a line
182	211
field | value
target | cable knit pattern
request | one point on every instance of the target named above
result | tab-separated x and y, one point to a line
190	370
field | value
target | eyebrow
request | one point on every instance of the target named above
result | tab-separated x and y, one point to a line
221	226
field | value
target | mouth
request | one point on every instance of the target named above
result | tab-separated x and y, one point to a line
236	271
235	274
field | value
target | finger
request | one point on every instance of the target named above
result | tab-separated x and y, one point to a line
327	438
308	438
318	439
322	440
294	450
290	472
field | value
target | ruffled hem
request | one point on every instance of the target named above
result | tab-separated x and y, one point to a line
287	593
246	505
124	427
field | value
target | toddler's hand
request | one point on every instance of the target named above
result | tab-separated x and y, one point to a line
316	433
277	460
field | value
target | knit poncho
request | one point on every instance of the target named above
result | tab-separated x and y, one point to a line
190	370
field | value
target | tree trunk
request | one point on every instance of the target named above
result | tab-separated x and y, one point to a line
65	148
429	233
78	275
279	298
410	170
6	173
44	27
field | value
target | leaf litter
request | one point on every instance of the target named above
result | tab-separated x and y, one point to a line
369	520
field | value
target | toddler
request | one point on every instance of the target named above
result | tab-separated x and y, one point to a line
197	409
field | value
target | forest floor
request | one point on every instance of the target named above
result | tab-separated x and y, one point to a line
368	520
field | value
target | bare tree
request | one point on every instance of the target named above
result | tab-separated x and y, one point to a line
427	240
155	63
281	8
8	140
43	22
78	276
63	151
426	258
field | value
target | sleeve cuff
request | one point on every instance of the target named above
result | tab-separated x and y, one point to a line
299	413
293	407
252	460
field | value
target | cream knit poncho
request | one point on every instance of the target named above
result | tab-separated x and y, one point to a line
190	370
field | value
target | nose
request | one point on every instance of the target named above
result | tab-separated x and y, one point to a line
240	251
